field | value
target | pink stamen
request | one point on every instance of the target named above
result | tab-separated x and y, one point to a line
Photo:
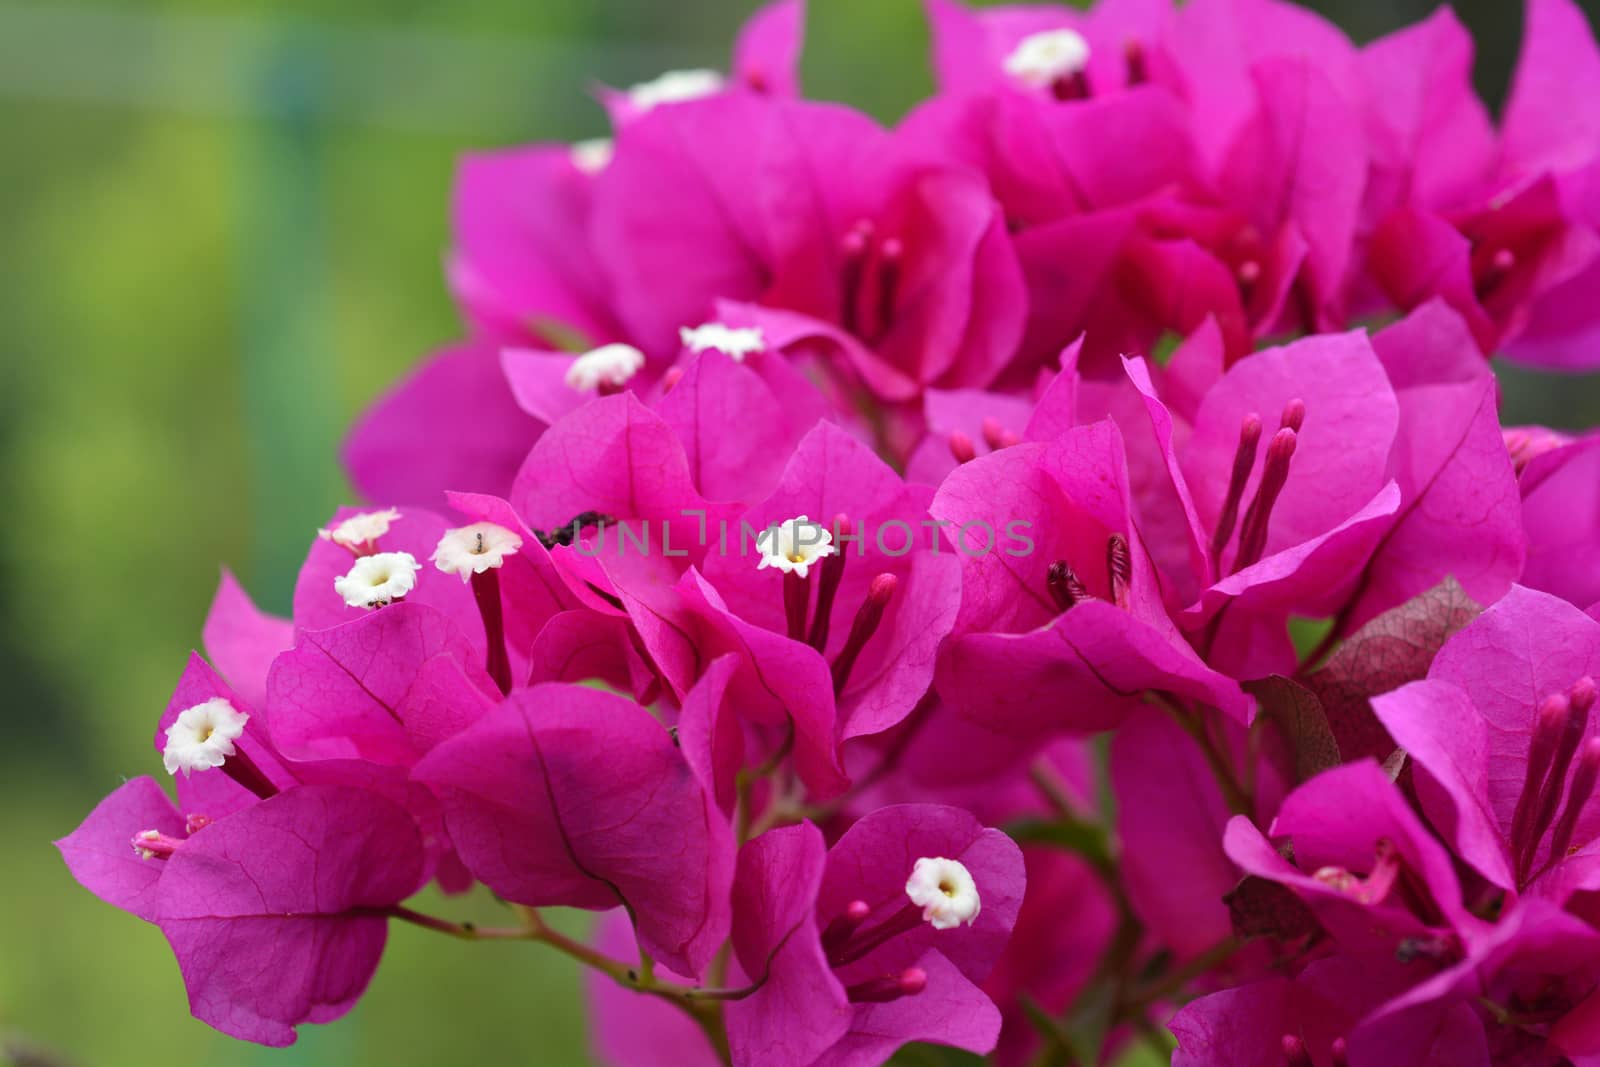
879	593
1493	273
796	601
908	983
962	448
1244	458
1578	796
1274	473
673	376
486	591
891	254
1294	415
152	844
865	940
243	770
1375	887
1071	87
854	248
1138	70
1549	722
844	926
1294	1052
1579	702
993	433
828	584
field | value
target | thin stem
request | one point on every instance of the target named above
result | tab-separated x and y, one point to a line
1057	1048
640	978
1174	981
462	931
745	780
905	732
1048	781
1195	725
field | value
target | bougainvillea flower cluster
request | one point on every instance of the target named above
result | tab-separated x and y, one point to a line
1044	577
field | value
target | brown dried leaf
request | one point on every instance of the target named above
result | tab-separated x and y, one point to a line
1395	648
1260	908
1300	717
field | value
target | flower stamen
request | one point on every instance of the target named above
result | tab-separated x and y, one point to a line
360	533
736	342
378	580
606	369
868	616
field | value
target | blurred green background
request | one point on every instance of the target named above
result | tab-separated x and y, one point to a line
223	225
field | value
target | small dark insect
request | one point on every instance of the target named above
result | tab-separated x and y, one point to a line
565	535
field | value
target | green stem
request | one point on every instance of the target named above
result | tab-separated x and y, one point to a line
1048	782
744	782
1324	647
640	978
1194	725
1174	981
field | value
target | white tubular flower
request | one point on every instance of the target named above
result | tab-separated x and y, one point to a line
378	579
675	87
1040	59
794	546
474	549
202	737
613	365
945	892
735	341
594	155
358	531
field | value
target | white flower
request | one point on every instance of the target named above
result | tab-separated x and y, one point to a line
359	530
945	892
378	579
674	87
1041	58
202	736
474	549
736	341
594	155
794	546
612	365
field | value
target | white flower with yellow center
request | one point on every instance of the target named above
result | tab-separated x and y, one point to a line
675	87
378	579
613	365
594	155
794	546
202	737
945	892
1041	59
474	549
358	531
735	341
